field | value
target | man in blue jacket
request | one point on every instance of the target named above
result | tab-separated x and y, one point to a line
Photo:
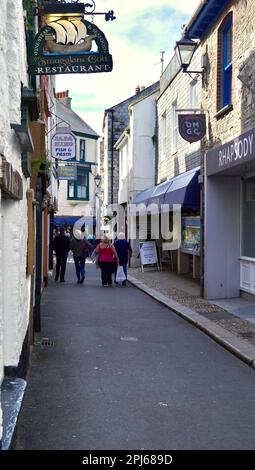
124	250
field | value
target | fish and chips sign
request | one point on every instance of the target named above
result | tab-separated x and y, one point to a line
192	127
70	46
63	145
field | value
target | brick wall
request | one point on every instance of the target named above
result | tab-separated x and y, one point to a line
186	156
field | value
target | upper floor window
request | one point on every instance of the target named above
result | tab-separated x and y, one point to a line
82	150
225	52
79	189
163	136
174	127
194	101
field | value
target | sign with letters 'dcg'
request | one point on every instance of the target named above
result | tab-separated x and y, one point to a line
192	127
63	145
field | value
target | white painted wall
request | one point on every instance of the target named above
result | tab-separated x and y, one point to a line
14	284
141	156
222	237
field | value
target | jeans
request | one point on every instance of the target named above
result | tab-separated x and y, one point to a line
79	262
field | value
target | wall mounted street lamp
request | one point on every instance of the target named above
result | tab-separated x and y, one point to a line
97	180
184	50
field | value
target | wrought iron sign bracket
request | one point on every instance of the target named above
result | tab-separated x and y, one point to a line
88	8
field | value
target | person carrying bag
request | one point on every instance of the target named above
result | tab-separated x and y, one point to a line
106	256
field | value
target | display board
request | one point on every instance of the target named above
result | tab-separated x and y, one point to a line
148	254
191	235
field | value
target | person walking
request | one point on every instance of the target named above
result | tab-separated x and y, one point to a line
106	257
81	249
61	246
123	250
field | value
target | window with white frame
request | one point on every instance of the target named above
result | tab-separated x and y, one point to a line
194	102
123	161
82	150
163	137
174	127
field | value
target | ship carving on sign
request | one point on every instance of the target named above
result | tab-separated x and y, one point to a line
68	37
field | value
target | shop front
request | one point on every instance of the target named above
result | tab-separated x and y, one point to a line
169	213
230	218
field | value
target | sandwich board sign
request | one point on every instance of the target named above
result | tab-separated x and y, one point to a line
148	254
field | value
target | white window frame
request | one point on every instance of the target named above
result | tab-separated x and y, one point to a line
174	127
194	100
163	136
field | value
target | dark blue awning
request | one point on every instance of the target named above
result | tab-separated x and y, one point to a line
71	219
182	189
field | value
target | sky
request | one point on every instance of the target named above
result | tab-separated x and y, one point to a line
141	30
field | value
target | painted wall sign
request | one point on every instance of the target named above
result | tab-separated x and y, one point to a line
192	127
10	180
63	145
236	152
67	172
64	46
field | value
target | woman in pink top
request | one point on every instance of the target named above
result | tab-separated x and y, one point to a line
107	256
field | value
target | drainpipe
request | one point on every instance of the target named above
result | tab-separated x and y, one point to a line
112	162
38	274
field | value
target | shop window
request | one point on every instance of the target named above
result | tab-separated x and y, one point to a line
79	189
248	218
225	53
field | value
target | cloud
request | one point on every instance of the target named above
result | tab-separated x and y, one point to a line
142	29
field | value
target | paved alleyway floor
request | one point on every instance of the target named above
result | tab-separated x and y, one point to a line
114	369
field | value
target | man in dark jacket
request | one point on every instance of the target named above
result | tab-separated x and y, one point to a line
61	246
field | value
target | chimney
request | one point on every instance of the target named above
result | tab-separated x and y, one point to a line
63	97
137	90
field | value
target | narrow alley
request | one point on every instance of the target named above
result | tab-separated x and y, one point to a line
120	371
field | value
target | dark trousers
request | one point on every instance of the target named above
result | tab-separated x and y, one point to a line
106	272
79	262
61	267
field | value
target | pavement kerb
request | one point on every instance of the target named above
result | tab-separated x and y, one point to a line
237	346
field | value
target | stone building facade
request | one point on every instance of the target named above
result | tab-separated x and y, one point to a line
179	93
227	36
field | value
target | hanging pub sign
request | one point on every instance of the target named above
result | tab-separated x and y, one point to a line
63	144
67	172
192	127
70	46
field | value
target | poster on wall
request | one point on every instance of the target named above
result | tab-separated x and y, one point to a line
191	235
148	254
